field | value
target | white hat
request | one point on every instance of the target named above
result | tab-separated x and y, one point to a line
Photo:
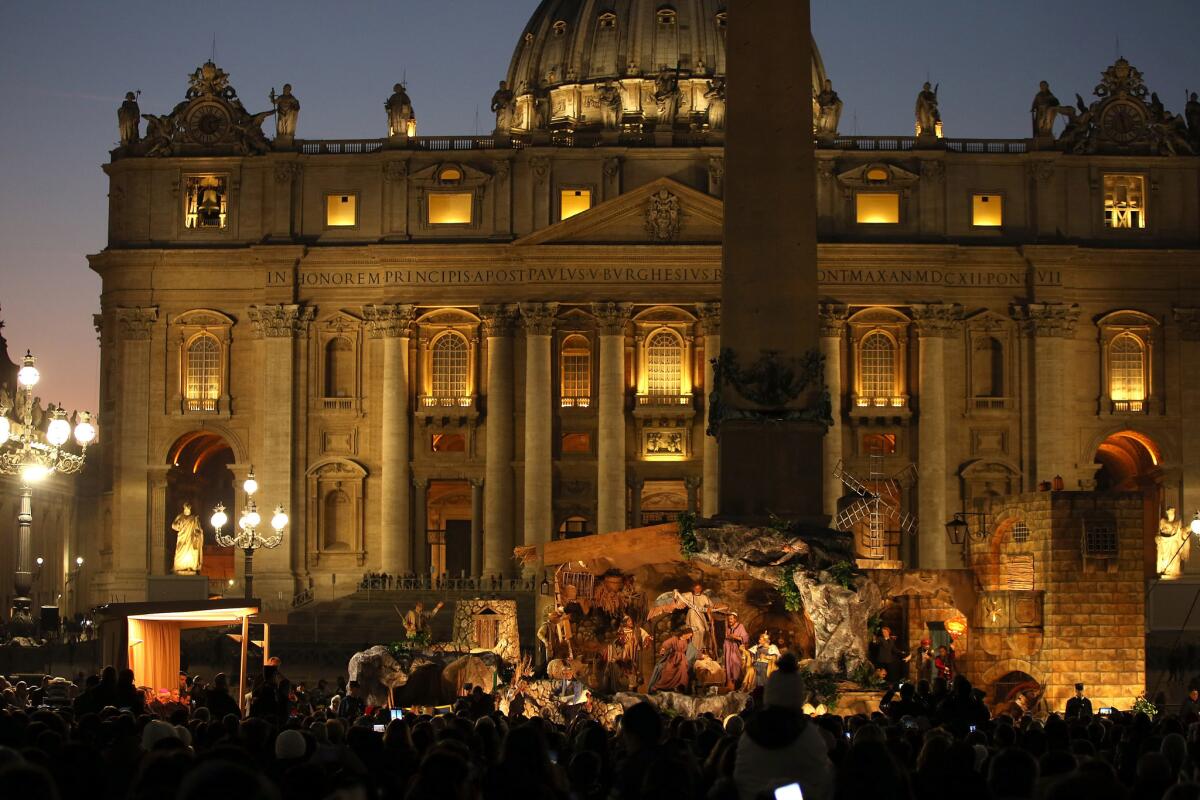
785	690
155	731
290	745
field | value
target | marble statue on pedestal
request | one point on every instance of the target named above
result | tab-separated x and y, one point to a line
928	114
609	96
830	116
400	111
287	113
716	104
1173	545
129	117
189	542
502	107
666	97
1045	111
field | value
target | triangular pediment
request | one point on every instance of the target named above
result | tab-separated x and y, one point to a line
663	211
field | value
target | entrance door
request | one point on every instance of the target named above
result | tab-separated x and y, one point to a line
458	547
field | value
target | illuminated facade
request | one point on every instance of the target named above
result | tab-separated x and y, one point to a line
434	349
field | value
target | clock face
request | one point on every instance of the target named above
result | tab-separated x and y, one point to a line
208	123
1122	122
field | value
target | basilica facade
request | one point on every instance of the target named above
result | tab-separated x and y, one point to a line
431	350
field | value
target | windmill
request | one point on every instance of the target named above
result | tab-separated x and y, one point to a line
878	503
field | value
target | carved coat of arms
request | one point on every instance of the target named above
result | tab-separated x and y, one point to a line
663	216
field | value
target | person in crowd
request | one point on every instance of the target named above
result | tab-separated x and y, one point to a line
1079	706
1191	704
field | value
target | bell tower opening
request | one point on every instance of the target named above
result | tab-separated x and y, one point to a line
200	477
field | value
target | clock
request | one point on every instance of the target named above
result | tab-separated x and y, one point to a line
208	123
1123	121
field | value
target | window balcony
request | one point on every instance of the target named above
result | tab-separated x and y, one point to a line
892	407
447	402
665	400
459	410
576	402
1129	407
337	403
664	405
991	403
206	405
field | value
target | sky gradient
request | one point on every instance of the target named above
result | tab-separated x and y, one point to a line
64	67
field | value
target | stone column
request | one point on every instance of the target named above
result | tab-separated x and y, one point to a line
393	324
131	456
160	564
771	433
610	449
1188	322
710	327
539	422
833	342
692	484
476	527
1051	326
635	502
420	528
278	327
498	437
935	322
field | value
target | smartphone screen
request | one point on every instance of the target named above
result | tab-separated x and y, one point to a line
380	728
790	792
397	713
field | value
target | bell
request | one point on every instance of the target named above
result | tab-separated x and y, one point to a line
210	202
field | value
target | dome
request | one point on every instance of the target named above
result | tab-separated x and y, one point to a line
571	49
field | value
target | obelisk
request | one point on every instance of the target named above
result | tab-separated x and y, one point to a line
770	447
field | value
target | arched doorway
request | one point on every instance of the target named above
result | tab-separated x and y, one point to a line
200	475
1130	462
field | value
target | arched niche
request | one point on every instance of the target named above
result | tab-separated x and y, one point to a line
335	512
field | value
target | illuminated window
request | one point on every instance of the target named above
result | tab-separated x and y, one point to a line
450	175
450	208
574	201
1020	533
576	443
666	16
202	384
664	364
339	368
1124	202
341	210
877	355
879	444
206	202
448	443
576	373
987	211
608	20
878	175
450	367
877	208
560	28
574	527
1127	372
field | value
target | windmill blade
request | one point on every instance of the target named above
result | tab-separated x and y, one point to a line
851	481
906	476
853	514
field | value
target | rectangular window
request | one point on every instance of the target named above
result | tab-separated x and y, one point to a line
576	443
1099	539
448	443
987	211
1124	202
877	208
206	202
879	444
574	201
450	208
576	379
341	210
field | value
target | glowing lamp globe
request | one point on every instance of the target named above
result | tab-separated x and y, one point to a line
59	430
28	375
79	561
1195	526
251	519
34	473
219	518
280	520
250	486
85	430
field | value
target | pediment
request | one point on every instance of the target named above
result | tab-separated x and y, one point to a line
663	211
989	321
878	175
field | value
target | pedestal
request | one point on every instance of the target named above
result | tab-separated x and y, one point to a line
171	588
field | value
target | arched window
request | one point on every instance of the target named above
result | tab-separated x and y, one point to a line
339	520
664	364
1127	370
607	21
666	16
574	526
576	372
202	374
339	368
987	368
878	358
450	367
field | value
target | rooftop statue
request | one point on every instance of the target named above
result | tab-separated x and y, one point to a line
1192	113
129	117
830	114
287	113
400	112
609	95
716	104
1126	118
502	107
666	96
1045	111
927	112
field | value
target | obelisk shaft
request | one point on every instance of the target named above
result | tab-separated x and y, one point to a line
769	291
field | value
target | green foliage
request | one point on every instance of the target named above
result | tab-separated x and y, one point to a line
412	644
867	677
824	688
776	523
843	574
874	624
792	600
1140	703
689	545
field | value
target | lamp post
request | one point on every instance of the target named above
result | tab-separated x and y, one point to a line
961	535
247	536
32	447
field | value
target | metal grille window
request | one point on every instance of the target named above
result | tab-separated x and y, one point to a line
1099	539
1020	533
202	386
1127	369
450	367
576	373
664	364
1125	202
878	358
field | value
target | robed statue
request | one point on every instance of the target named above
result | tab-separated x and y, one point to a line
1173	545
715	94
1045	111
830	111
609	97
666	96
287	113
399	110
1191	113
129	118
189	542
502	107
928	114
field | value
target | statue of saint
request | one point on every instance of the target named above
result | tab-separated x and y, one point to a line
1191	113
830	106
287	112
666	97
189	542
502	107
1045	110
129	117
1172	546
928	115
399	110
609	96
715	94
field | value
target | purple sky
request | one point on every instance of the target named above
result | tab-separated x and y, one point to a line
64	67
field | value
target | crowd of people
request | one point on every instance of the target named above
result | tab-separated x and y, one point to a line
382	581
102	740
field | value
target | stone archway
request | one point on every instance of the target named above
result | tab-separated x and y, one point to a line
1131	461
199	474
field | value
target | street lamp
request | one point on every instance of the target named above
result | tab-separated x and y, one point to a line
959	530
247	536
1195	526
33	448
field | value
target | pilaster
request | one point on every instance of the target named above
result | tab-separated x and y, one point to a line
539	422
1049	326
833	342
610	484
710	328
498	322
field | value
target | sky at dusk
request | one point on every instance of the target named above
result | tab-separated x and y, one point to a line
64	67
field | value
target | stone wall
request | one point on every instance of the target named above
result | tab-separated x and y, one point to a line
508	642
1049	610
